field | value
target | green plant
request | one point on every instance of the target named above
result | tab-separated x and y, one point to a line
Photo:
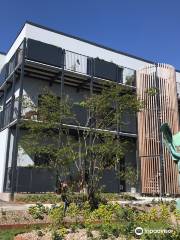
104	235
56	214
93	149
104	213
128	197
89	234
110	196
11	233
174	235
152	91
3	212
73	210
33	198
38	211
164	213
177	214
56	236
40	233
129	175
172	206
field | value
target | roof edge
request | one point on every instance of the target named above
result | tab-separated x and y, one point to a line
90	42
2	53
80	39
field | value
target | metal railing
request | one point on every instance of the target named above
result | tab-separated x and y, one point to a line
76	62
79	63
9	67
5	115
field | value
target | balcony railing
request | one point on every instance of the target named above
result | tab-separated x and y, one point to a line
11	65
76	62
5	115
73	62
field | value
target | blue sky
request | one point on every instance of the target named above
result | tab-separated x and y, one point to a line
146	28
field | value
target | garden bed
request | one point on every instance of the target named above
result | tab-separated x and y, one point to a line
108	221
19	218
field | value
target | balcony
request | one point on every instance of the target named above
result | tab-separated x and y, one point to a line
9	67
44	58
45	62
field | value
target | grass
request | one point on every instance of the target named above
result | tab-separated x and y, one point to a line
11	233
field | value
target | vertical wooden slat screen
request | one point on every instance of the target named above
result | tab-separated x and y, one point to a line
148	78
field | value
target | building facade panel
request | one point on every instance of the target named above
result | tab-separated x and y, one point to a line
156	86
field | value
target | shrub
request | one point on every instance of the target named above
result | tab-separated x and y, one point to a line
43	198
56	214
157	213
112	220
73	210
56	236
175	235
172	206
38	211
117	197
105	213
128	197
110	196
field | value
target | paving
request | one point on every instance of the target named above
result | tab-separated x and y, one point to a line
10	206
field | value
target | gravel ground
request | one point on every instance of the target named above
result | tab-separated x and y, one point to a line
79	235
33	236
20	217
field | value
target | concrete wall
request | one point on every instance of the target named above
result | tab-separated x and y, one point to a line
2	60
16	44
33	88
3	148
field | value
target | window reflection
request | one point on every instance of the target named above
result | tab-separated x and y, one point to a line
129	76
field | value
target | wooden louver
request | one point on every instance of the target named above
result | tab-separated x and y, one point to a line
156	86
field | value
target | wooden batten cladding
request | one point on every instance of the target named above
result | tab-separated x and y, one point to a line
156	86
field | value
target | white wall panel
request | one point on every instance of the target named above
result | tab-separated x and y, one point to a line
3	146
16	44
81	47
2	59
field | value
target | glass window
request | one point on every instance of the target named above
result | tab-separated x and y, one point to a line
129	76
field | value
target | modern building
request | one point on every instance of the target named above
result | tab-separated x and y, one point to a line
41	57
